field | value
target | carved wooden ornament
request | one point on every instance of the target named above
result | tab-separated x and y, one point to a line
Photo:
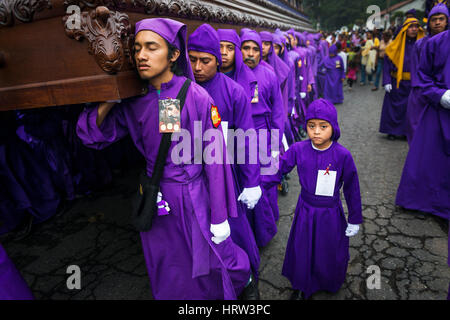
108	33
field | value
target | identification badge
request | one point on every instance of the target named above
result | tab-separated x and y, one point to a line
215	116
169	116
338	64
326	181
255	95
299	63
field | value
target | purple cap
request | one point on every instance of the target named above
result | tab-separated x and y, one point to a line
325	110
251	35
205	39
173	32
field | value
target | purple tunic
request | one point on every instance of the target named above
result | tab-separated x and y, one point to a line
199	194
234	108
267	114
425	182
333	67
393	114
317	251
12	285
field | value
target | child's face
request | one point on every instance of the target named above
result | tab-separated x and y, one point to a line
320	132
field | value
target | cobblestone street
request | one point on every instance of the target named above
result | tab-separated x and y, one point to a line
410	248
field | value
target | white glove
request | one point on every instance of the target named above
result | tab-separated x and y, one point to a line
445	100
352	229
303	95
275	154
163	206
220	231
250	196
388	88
301	78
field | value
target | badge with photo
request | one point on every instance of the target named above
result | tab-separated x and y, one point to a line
169	116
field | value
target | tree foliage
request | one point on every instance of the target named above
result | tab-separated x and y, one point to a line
333	14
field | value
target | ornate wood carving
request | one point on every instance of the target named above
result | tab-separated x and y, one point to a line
207	12
22	10
109	36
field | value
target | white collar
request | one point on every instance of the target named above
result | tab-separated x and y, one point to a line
312	145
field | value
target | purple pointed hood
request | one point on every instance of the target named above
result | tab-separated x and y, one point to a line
279	66
251	35
325	110
242	73
205	39
173	32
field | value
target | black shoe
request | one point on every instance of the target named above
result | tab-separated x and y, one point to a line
251	291
25	228
284	187
391	137
297	295
287	176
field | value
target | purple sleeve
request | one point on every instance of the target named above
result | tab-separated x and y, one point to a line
277	116
387	68
289	159
243	119
351	191
222	197
112	129
426	79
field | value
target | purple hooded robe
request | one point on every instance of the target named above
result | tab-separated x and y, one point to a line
317	251
267	114
234	108
425	182
333	66
241	72
415	100
182	261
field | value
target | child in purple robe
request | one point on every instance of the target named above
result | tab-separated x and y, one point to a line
317	252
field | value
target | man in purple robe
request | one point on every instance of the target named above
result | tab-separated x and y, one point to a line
279	66
333	67
321	55
299	55
12	285
268	114
437	23
236	114
425	182
232	63
397	79
279	44
188	251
